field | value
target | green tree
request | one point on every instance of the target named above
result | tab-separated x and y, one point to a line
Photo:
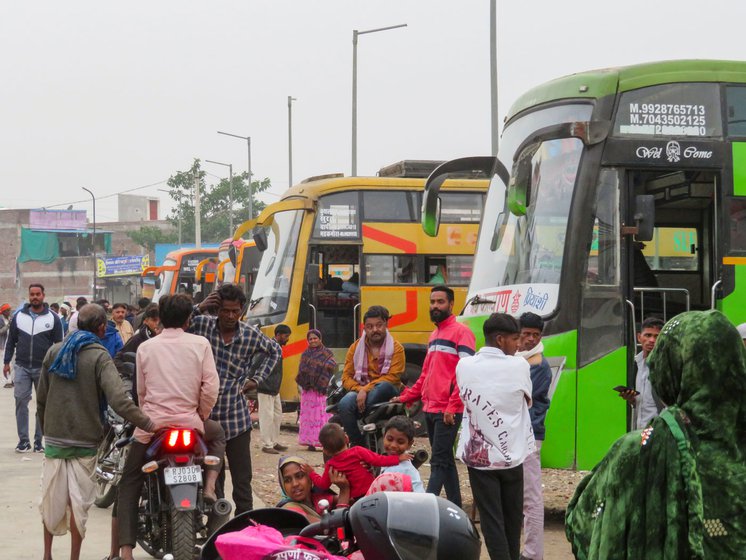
214	203
148	236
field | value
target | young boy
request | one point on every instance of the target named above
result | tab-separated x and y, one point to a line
398	437
349	461
496	434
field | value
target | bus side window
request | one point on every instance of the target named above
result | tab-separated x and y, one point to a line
461	207
390	269
454	270
601	323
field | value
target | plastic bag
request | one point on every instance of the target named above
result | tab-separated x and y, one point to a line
261	542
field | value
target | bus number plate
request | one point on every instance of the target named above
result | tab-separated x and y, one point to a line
182	475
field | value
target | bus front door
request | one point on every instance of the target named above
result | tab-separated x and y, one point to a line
677	269
336	293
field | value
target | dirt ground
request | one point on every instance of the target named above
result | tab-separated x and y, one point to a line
559	485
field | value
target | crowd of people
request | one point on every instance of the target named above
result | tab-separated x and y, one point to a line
196	364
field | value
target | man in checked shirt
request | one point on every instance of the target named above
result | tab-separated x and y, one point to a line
234	344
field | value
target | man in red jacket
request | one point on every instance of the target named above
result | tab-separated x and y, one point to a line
449	342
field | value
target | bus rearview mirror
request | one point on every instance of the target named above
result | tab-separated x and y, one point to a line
471	167
644	217
260	238
158	283
232	255
519	186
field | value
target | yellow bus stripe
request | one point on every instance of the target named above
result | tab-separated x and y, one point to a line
734	260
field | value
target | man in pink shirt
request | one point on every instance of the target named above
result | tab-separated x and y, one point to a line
177	385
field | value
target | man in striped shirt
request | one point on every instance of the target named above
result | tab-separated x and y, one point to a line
449	342
234	345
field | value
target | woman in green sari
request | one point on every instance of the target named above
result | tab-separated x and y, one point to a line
676	490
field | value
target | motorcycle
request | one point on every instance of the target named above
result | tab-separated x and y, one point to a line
382	526
173	516
113	449
110	458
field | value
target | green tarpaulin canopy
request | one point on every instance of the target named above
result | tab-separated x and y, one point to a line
39	246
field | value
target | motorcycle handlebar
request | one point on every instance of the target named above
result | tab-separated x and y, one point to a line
124	442
329	523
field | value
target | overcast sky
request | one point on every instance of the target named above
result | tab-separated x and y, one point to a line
117	95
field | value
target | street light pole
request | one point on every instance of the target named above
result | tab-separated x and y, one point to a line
230	192
95	257
355	35
197	212
290	140
251	192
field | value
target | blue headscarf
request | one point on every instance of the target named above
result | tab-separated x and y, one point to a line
67	358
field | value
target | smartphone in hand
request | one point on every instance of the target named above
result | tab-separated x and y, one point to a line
623	389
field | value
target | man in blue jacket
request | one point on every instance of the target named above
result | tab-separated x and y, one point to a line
33	330
532	327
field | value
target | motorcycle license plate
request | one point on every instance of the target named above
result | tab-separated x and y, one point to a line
182	475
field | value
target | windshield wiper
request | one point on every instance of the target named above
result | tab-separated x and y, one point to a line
254	302
477	300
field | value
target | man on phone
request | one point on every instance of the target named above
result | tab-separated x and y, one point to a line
643	401
234	344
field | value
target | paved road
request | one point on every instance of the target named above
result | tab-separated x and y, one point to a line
20	521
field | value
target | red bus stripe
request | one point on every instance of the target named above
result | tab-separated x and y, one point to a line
408	247
294	348
410	313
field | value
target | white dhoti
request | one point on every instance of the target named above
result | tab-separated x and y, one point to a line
67	485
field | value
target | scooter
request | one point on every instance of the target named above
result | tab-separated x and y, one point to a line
382	526
172	514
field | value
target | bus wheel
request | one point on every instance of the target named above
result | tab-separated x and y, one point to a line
411	375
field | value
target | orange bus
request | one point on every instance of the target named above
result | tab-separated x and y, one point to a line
177	274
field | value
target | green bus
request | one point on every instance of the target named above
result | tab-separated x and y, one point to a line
616	194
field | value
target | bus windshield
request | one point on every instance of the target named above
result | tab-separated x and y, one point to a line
272	289
528	249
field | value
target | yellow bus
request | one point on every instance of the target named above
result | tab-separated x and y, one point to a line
334	245
177	274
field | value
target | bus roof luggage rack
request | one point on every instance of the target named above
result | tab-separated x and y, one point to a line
320	177
414	168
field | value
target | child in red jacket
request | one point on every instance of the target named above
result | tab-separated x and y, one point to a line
349	460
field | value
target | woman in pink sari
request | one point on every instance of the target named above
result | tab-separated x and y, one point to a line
317	365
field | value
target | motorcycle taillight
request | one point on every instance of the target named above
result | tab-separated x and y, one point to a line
179	440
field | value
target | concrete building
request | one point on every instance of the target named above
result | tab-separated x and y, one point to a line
55	248
136	208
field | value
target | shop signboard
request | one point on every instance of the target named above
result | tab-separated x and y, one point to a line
128	265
